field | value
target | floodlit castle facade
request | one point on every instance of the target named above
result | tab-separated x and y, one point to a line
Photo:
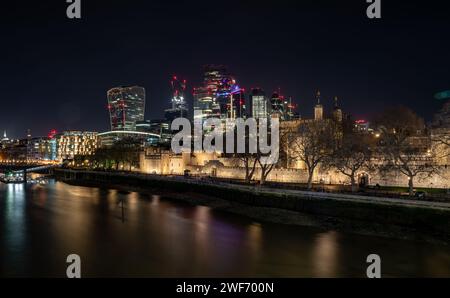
156	160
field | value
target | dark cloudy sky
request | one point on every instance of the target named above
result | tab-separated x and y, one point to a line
56	71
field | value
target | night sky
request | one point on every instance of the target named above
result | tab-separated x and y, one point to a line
56	71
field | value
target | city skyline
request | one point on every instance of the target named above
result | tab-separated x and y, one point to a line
233	147
62	83
327	107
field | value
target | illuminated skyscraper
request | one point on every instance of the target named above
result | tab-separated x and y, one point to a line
224	98
179	106
258	104
126	106
239	107
220	96
230	99
277	105
290	107
206	101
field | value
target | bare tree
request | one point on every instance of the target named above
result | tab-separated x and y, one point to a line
352	155
265	169
404	144
441	144
285	137
249	161
312	143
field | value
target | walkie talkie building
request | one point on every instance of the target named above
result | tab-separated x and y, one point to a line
126	106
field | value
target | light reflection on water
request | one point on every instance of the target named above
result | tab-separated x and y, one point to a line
14	227
326	254
132	234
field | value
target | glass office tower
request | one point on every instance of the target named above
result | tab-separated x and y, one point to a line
126	106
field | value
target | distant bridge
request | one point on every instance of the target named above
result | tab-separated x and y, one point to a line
20	176
40	168
25	163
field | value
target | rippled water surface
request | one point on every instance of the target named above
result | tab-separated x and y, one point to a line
150	236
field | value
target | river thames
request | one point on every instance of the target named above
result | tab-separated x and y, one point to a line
119	234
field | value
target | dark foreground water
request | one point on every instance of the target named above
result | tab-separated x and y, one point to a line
154	237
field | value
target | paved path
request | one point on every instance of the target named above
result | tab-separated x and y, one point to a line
317	195
359	198
300	193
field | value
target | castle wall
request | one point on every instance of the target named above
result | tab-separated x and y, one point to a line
207	165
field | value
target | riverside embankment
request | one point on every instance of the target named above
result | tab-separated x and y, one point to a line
399	218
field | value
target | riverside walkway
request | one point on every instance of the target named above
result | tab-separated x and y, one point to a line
281	192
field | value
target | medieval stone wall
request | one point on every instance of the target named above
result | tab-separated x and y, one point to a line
209	165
